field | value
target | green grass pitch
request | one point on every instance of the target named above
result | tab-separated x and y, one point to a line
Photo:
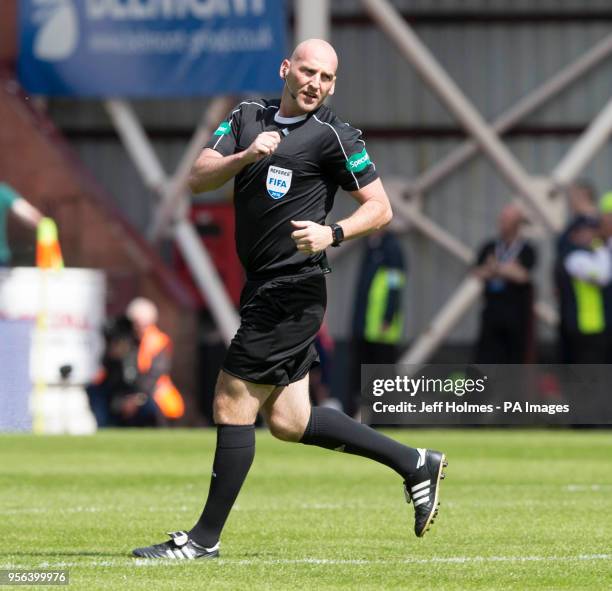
520	510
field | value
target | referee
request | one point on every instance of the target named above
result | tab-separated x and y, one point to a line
289	157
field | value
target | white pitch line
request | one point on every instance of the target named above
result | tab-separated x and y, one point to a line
109	509
587	487
320	561
179	509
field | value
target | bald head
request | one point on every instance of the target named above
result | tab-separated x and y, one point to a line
510	220
142	312
316	49
309	75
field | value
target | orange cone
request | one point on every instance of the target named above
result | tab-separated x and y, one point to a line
48	251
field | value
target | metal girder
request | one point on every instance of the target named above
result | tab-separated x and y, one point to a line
455	308
467	293
207	279
175	193
453	245
411	48
583	150
526	105
141	152
137	144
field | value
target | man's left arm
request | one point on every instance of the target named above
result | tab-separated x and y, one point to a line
26	212
373	213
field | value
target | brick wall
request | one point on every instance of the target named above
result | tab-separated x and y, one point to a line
8	31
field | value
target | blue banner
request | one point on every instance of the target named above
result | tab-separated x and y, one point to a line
150	48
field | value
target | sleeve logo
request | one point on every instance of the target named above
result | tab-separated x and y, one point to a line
224	128
357	162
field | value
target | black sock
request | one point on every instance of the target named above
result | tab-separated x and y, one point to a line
233	458
333	429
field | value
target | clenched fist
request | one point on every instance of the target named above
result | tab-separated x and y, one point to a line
263	145
310	237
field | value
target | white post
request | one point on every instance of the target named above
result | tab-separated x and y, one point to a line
430	177
207	279
436	233
312	19
596	134
434	75
175	193
546	313
444	321
137	143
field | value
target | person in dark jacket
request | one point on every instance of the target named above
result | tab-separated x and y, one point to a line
133	388
378	318
581	276
505	264
581	202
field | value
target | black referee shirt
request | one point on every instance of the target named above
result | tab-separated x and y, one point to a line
317	154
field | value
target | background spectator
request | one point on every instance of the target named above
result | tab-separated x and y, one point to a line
605	234
134	388
581	202
505	264
581	275
109	395
10	200
378	319
154	359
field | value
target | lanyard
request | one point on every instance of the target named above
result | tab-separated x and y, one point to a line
505	254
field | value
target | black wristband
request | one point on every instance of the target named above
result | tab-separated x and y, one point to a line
337	233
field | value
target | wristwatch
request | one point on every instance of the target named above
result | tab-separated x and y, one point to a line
337	233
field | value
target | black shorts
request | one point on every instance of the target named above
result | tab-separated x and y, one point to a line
280	319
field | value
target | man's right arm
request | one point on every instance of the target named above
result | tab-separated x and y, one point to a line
212	170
